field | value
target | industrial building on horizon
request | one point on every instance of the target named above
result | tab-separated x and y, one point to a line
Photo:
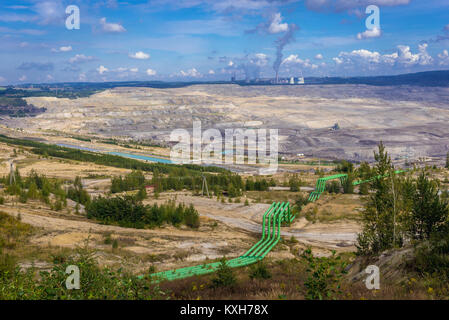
284	81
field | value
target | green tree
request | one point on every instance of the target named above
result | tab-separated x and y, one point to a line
294	183
428	212
348	187
224	276
142	194
378	218
78	194
191	217
259	271
364	189
324	276
32	190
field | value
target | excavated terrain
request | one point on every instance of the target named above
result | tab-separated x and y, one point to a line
412	121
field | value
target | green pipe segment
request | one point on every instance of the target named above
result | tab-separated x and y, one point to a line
272	220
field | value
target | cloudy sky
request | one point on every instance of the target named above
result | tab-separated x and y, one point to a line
214	39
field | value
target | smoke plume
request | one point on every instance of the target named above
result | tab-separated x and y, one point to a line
280	44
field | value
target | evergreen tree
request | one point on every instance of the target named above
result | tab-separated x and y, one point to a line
348	187
428	211
378	218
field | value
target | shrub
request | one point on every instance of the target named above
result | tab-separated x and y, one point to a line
191	217
128	211
224	276
324	276
259	271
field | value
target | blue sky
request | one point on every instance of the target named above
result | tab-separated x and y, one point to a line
212	40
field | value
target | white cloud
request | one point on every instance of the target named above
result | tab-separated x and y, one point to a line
230	63
276	24
2	79
259	59
211	72
111	27
140	55
190	73
81	58
102	69
362	54
82	77
151	72
319	56
50	77
443	58
407	58
134	70
293	59
402	58
368	34
50	11
62	49
338	60
65	49
23	78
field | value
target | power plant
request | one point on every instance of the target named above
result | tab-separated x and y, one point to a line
271	81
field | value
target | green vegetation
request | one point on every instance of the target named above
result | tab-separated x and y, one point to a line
46	91
259	271
106	159
400	209
295	183
78	194
36	187
224	277
128	211
229	183
133	181
95	282
344	167
324	276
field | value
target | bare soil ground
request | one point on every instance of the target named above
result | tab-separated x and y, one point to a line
410	120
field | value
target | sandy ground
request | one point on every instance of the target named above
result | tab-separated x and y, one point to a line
335	235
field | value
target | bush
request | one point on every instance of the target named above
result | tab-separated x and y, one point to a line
259	271
78	194
128	211
191	217
224	276
324	276
364	189
95	282
432	257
